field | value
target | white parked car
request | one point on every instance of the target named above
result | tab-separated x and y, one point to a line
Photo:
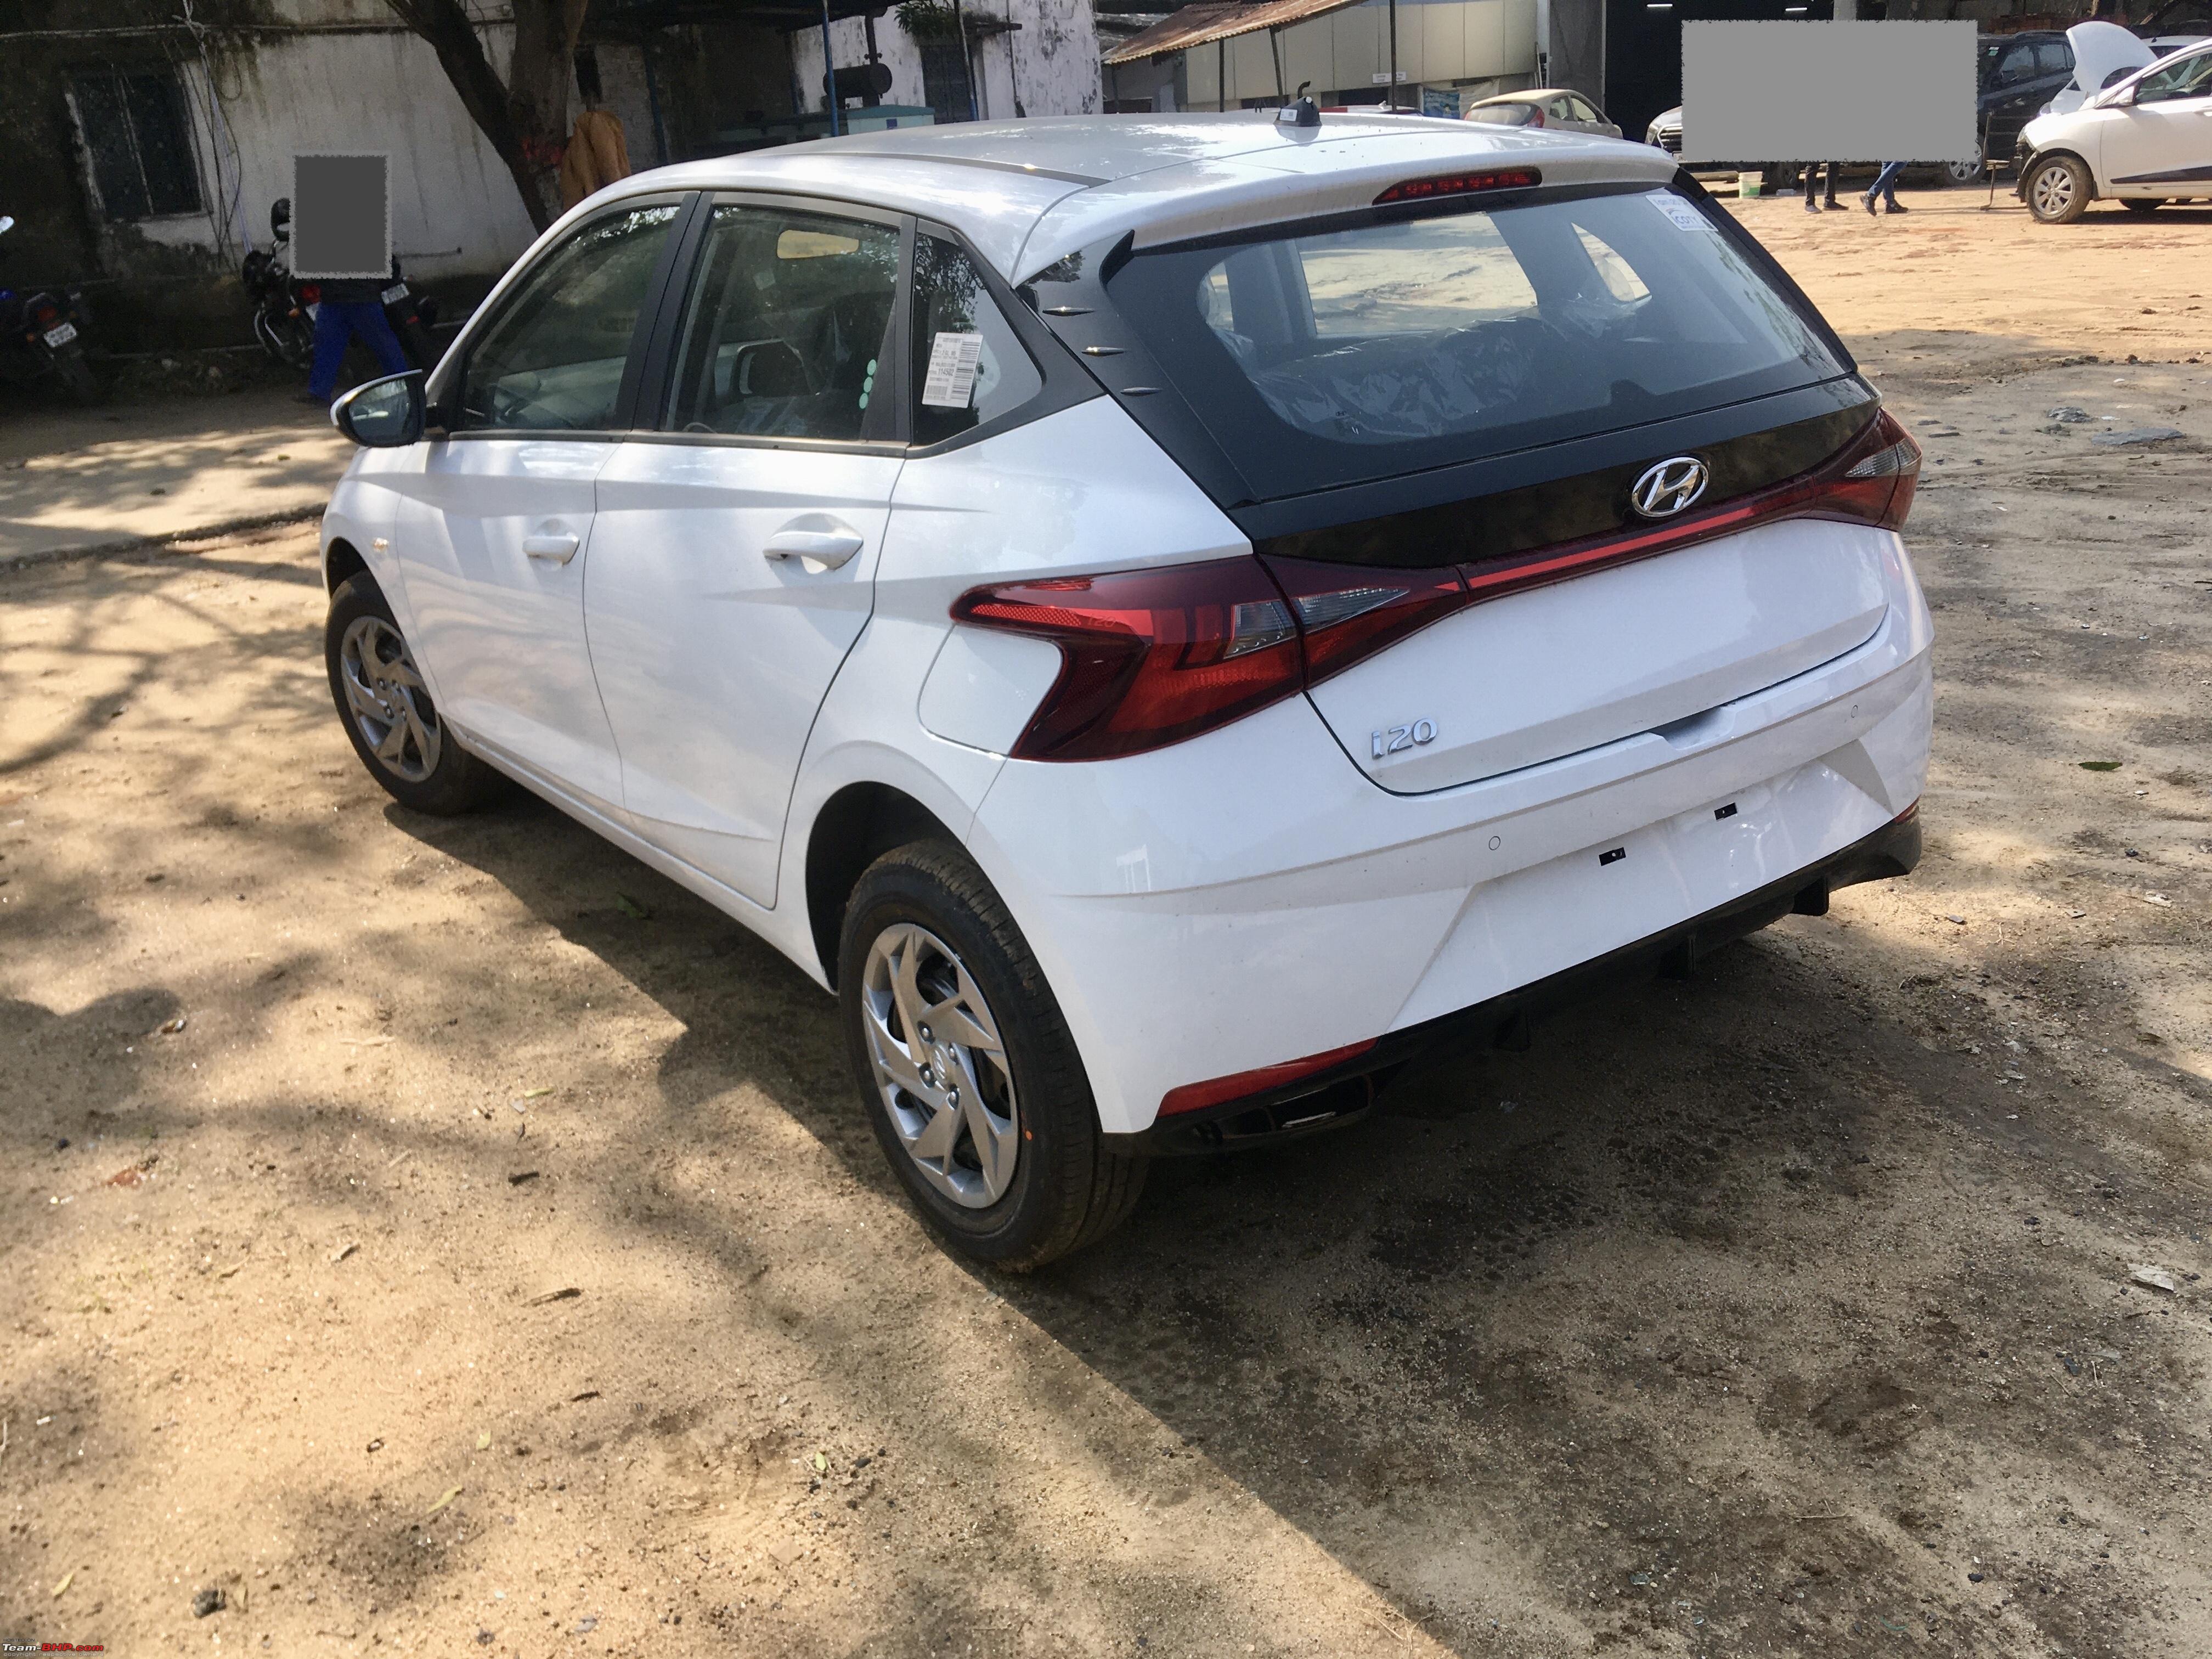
1166	620
2144	141
1552	108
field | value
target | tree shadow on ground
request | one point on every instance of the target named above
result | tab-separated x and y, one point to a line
1705	1316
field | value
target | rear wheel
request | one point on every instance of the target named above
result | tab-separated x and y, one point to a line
388	713
75	374
1959	174
2142	203
2059	189
972	1081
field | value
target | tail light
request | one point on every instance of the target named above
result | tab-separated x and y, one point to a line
1535	117
1881	472
1149	658
47	316
310	294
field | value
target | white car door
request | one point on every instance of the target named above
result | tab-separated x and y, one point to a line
2162	143
733	558
494	524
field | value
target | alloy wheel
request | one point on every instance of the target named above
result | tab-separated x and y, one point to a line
1963	172
940	1066
2051	191
390	705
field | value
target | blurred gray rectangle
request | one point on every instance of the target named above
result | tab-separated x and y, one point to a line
341	216
1829	92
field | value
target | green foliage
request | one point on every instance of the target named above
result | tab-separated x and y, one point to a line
930	20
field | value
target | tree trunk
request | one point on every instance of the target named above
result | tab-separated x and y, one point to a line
526	117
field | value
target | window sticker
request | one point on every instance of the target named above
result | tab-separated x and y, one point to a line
1676	208
953	360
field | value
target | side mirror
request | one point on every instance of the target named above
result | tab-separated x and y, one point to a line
385	414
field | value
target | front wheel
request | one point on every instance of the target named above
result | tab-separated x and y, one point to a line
2142	203
1961	173
2059	189
972	1081
394	726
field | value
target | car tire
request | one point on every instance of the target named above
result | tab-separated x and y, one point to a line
2142	203
1958	175
2058	189
988	1121
387	712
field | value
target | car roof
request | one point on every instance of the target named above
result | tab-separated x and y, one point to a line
1027	193
1533	95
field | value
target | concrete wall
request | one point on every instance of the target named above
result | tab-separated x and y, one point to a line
260	85
1048	66
1483	45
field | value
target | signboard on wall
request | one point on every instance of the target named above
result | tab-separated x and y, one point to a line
1443	103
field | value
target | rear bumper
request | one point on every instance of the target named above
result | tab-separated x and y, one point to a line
1329	1100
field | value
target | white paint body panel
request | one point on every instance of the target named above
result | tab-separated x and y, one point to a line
1240	899
712	658
1659	640
1249	896
505	630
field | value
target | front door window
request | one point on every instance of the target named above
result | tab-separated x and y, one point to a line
553	359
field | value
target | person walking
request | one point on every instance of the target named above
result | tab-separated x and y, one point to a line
1812	174
351	308
1884	185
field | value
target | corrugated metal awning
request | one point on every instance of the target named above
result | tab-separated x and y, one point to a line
1209	21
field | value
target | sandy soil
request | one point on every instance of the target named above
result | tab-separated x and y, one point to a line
449	1237
133	467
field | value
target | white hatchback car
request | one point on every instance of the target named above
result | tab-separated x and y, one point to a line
1167	618
2145	140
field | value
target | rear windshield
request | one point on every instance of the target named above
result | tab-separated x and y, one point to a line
1351	355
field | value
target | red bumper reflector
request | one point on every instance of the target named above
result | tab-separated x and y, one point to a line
1196	1096
1460	184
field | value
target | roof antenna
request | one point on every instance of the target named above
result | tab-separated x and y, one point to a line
1303	112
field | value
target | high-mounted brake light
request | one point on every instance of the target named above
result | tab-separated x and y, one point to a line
1460	184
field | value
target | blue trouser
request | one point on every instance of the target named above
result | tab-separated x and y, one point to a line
336	321
1885	183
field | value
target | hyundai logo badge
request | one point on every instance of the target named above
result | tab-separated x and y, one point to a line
1668	487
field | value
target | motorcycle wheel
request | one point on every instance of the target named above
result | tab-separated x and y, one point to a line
290	340
78	382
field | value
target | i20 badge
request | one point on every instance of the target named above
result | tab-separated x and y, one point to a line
1395	740
1668	487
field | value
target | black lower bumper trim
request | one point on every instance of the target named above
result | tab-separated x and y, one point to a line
1330	1099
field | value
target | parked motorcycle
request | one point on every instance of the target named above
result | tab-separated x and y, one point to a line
284	305
41	334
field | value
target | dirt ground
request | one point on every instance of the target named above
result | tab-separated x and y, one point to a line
448	1237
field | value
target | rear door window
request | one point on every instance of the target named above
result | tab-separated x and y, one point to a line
784	328
1341	355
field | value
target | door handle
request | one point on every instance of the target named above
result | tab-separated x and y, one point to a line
823	549
556	546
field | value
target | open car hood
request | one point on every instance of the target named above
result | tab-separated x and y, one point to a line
2098	50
